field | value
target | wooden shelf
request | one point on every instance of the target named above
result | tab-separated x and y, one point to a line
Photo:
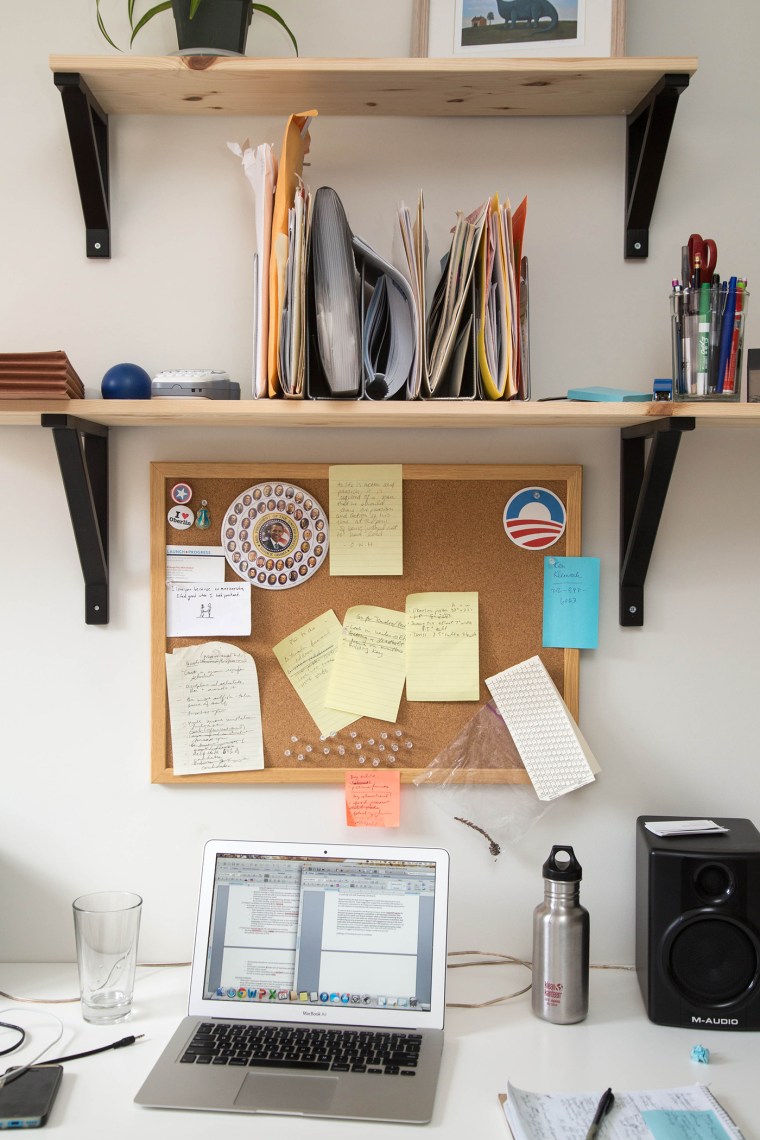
363	414
208	85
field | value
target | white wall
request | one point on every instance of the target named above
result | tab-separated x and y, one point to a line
670	709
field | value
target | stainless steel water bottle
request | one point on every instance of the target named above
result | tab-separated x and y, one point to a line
560	943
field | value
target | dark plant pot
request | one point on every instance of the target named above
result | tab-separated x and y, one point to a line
218	25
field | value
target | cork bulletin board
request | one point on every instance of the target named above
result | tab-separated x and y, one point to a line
454	539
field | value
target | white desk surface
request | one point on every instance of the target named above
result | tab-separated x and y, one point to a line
617	1045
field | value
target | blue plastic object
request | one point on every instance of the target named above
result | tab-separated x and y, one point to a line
126	382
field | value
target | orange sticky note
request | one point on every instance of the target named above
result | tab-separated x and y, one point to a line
373	799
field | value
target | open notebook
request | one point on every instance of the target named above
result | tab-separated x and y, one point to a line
318	971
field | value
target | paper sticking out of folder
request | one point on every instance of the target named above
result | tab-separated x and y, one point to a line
449	300
551	746
260	168
337	337
295	145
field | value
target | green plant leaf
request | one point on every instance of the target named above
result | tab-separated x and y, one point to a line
131	12
276	16
194	6
149	16
102	26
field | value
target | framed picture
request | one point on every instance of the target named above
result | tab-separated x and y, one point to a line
527	29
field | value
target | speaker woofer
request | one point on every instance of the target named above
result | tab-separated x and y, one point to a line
711	961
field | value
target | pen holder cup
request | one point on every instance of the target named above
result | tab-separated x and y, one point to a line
707	338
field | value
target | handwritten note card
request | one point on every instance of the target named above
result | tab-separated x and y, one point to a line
368	673
571	602
198	609
442	660
214	709
366	519
373	799
307	657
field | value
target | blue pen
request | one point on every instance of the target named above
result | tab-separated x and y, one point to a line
726	332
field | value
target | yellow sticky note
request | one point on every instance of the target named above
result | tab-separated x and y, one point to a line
366	519
373	799
368	672
306	657
442	647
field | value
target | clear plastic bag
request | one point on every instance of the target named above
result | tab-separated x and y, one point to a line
466	781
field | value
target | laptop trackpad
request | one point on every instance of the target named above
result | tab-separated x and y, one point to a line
286	1092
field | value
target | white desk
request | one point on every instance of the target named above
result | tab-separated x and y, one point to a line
615	1046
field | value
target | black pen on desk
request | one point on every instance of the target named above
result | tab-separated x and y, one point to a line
604	1106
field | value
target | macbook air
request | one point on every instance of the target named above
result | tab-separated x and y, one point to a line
317	985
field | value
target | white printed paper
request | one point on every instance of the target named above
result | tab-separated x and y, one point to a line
214	709
195	564
199	609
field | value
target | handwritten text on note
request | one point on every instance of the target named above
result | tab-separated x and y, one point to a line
366	519
442	660
571	602
214	709
368	673
373	799
307	657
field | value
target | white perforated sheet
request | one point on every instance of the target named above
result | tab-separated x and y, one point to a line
546	736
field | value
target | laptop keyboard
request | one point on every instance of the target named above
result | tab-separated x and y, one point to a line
304	1047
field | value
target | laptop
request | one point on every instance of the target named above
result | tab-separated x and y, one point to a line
317	985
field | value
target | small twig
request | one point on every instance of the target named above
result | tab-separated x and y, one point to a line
493	846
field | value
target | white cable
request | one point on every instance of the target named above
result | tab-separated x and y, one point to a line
11	1074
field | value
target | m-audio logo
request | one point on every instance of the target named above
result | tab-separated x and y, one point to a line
714	1020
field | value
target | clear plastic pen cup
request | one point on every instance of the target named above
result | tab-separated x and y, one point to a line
107	926
707	341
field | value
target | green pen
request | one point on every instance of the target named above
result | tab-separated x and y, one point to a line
703	339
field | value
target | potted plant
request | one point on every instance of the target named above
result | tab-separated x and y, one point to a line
213	27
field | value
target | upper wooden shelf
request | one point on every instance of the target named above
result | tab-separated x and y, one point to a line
210	85
364	414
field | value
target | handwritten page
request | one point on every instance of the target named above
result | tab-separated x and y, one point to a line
366	519
442	658
198	609
373	799
214	709
571	602
306	657
368	673
692	1110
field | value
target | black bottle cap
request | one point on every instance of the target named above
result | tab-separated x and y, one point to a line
566	870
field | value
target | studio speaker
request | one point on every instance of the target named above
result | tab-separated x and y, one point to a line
698	926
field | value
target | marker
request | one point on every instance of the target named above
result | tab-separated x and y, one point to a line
703	339
716	311
733	357
726	333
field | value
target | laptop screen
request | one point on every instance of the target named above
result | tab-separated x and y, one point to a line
343	932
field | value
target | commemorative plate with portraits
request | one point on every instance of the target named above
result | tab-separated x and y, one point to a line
275	535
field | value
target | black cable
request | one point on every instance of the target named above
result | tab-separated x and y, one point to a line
89	1052
17	1044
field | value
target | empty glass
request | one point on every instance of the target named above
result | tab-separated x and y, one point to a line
107	925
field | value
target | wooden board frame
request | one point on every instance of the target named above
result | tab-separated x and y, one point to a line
464	496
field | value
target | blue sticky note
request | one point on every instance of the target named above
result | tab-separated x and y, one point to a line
676	1124
571	602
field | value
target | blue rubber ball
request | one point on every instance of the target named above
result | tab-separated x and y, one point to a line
126	382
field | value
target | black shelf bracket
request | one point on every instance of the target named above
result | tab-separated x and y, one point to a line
648	134
87	125
82	449
644	483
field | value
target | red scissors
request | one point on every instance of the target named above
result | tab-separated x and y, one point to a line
707	251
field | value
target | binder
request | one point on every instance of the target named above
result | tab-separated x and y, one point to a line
333	319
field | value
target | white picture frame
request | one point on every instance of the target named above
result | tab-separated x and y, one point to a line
597	30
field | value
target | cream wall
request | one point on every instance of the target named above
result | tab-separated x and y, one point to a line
670	709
